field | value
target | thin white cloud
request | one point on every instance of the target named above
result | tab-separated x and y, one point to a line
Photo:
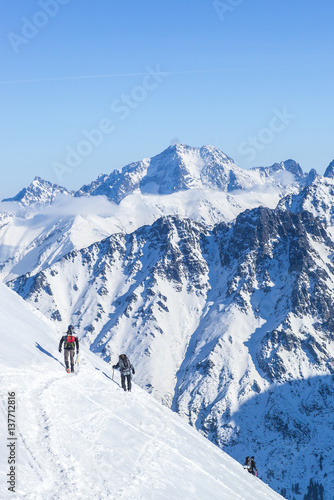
116	75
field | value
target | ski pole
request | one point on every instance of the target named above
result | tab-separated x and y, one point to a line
77	358
113	371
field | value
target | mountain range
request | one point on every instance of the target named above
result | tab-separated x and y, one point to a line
218	283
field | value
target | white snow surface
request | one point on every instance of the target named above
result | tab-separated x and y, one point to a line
80	436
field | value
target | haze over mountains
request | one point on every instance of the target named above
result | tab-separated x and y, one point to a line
217	281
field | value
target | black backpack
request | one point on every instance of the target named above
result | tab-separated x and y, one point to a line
124	362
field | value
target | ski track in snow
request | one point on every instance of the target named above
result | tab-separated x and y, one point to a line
63	425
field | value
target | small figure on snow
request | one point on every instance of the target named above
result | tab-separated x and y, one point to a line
250	465
125	367
71	342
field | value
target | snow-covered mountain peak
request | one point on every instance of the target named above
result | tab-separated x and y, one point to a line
181	167
293	167
39	191
211	152
177	168
223	300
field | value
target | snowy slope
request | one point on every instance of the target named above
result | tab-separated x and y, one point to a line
81	437
259	368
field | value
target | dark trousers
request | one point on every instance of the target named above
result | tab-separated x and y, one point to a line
69	353
128	378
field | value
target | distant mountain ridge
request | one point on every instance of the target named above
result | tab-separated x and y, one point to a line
178	168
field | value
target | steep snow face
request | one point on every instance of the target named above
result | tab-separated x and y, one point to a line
177	168
231	327
80	436
188	168
39	191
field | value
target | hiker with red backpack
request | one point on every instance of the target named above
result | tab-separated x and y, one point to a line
125	367
70	343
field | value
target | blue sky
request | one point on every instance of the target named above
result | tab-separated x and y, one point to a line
252	77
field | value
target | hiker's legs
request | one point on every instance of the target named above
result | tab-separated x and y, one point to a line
66	356
128	377
72	359
123	381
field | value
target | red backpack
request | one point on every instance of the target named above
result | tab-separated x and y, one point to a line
69	342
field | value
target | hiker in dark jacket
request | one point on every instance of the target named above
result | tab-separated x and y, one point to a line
250	465
125	367
70	343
